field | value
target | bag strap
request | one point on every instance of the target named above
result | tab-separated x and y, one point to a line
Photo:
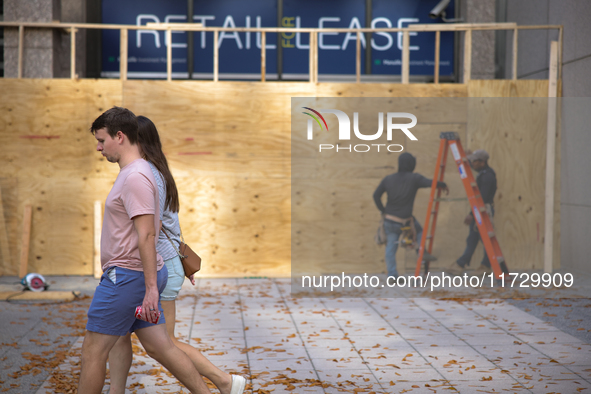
173	245
180	230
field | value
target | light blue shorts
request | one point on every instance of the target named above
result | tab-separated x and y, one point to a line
176	277
119	292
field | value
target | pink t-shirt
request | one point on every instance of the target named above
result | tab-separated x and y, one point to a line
134	193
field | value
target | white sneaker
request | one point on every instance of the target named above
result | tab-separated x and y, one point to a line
238	384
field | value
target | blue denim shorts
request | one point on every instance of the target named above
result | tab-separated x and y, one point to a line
176	277
119	292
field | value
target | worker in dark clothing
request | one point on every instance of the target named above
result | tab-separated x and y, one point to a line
487	184
401	188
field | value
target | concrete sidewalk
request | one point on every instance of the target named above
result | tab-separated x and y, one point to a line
281	344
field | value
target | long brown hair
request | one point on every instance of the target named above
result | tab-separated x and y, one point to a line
151	147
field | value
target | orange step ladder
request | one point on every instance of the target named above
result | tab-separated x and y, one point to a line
487	234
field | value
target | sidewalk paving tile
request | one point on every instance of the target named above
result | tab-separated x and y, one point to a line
282	344
475	386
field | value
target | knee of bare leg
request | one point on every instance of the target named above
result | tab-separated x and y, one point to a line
151	350
175	341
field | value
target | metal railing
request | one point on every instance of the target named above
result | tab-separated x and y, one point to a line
467	28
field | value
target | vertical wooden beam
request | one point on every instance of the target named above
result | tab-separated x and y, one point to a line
263	55
358	58
25	240
168	55
21	43
98	269
467	56
405	56
515	38
4	245
437	55
216	54
316	57
313	57
550	158
560	52
123	55
73	53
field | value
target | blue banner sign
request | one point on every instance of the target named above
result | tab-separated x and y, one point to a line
239	52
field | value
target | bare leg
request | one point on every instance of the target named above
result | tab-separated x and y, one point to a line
120	358
95	351
159	346
222	380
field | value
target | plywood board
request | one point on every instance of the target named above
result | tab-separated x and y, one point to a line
229	147
332	193
390	90
508	88
512	131
48	150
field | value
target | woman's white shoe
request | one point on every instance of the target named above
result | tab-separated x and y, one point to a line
238	384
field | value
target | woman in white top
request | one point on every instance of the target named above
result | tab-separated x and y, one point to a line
121	355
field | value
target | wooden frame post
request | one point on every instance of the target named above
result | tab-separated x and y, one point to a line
216	56
467	56
168	28
4	245
515	40
560	53
21	44
25	241
358	58
550	159
73	53
123	55
316	57
405	56
168	55
263	55
313	56
437	55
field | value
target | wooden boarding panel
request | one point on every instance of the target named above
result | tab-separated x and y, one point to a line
390	90
48	149
332	193
511	130
217	130
237	222
39	115
62	225
229	147
349	219
451	231
428	110
508	88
